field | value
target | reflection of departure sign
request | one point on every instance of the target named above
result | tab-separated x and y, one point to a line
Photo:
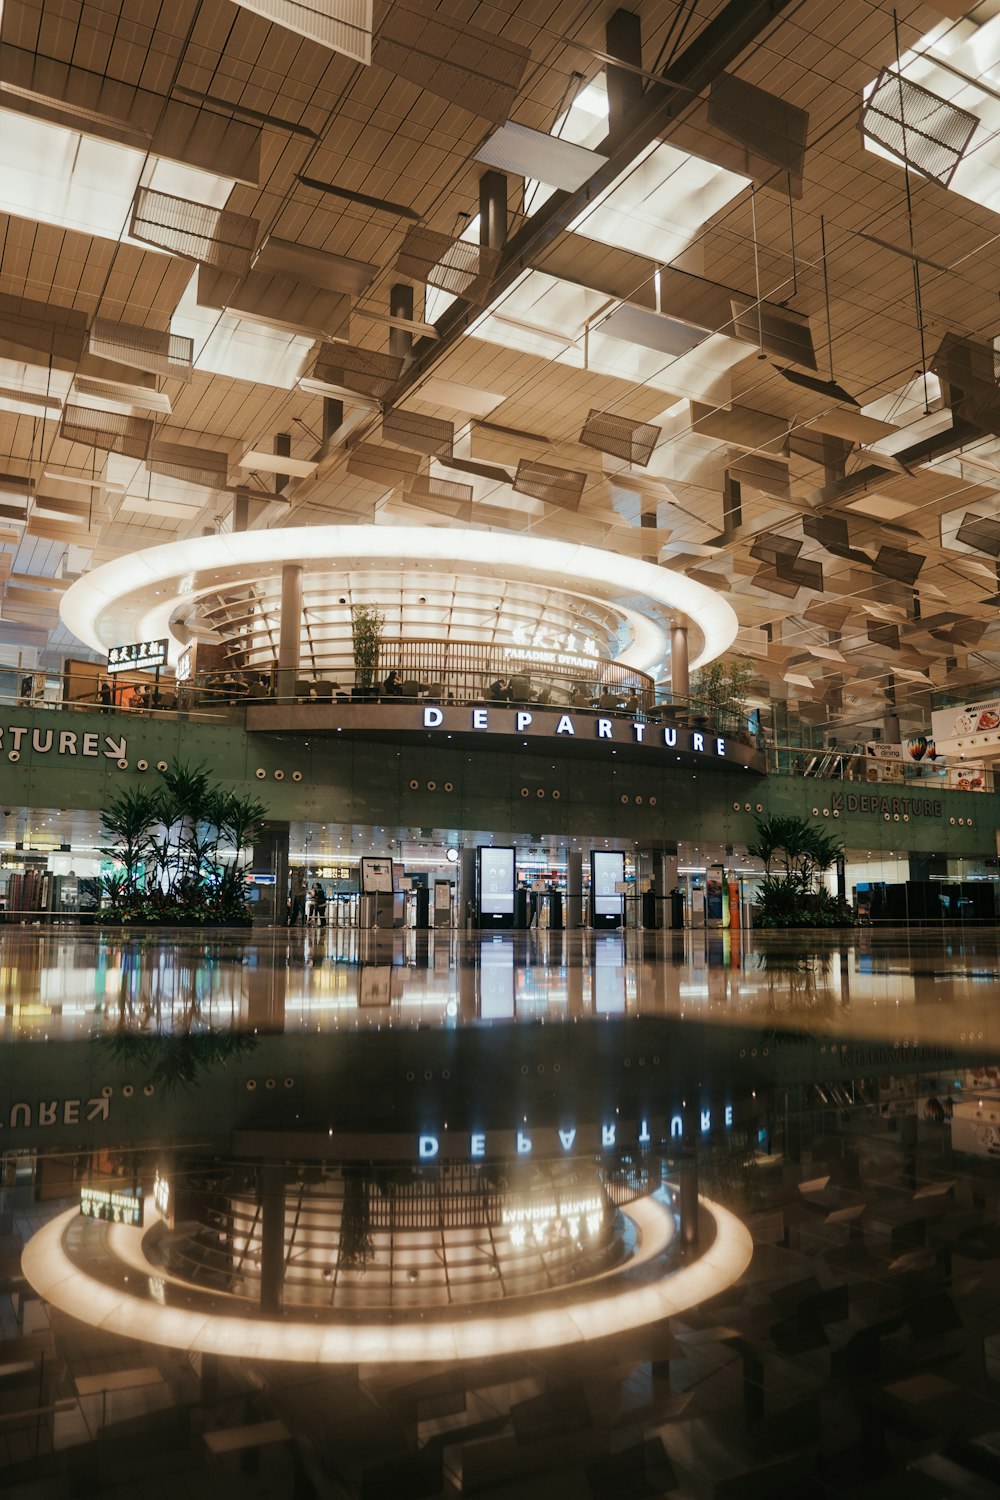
112	1207
496	882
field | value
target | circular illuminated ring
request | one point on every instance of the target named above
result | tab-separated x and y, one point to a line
136	598
613	1302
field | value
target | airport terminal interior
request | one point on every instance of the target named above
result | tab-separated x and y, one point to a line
499	726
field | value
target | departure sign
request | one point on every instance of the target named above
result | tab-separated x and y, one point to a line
140	656
111	1206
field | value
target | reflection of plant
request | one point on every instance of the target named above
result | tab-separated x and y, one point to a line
177	1059
794	852
727	1173
357	1246
168	842
366	631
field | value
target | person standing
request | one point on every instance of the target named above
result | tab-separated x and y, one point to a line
319	904
297	911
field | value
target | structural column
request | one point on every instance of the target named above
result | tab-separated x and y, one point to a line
289	630
400	306
688	1195
493	210
272	1238
623	37
574	888
270	856
466	883
680	681
282	448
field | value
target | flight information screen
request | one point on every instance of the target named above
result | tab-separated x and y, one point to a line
496	882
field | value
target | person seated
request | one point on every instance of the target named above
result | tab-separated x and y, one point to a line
520	690
392	687
631	704
501	690
580	698
608	699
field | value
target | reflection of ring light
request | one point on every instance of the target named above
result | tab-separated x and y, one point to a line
606	1304
138	597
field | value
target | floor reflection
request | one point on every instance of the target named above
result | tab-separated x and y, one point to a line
896	986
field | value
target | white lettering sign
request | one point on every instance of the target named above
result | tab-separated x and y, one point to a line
66	742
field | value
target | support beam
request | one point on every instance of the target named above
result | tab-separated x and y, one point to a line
400	306
272	1238
283	448
623	35
493	210
333	416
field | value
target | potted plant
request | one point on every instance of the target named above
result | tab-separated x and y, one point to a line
367	624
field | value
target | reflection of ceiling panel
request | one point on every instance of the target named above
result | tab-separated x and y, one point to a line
775	330
195	231
916	126
410	429
142	348
768	126
342	25
562	487
473	68
621	437
459	267
982	533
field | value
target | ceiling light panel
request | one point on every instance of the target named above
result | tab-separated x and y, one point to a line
225	344
536	156
60	176
657	205
561	320
276	463
344	26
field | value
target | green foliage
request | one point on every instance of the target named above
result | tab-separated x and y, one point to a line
794	852
367	623
357	1245
722	688
167	840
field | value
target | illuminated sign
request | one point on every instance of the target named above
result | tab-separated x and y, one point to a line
376	875
112	1207
185	662
140	656
889	807
572	726
548	1218
163	1199
587	1139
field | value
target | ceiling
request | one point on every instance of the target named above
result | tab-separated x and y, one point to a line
750	346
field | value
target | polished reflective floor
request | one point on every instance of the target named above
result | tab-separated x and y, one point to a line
840	1093
71	983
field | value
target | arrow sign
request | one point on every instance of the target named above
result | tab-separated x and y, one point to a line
116	748
100	1107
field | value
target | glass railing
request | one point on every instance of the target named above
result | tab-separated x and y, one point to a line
853	765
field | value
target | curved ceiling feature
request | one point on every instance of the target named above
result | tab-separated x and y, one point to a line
141	597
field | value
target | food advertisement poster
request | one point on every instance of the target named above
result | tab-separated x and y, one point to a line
967	720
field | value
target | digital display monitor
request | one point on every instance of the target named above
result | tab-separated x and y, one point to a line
607	871
496	882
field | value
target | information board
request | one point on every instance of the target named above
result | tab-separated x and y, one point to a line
496	882
607	872
376	875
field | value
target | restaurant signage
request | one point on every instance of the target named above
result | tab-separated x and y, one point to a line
139	656
112	1207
